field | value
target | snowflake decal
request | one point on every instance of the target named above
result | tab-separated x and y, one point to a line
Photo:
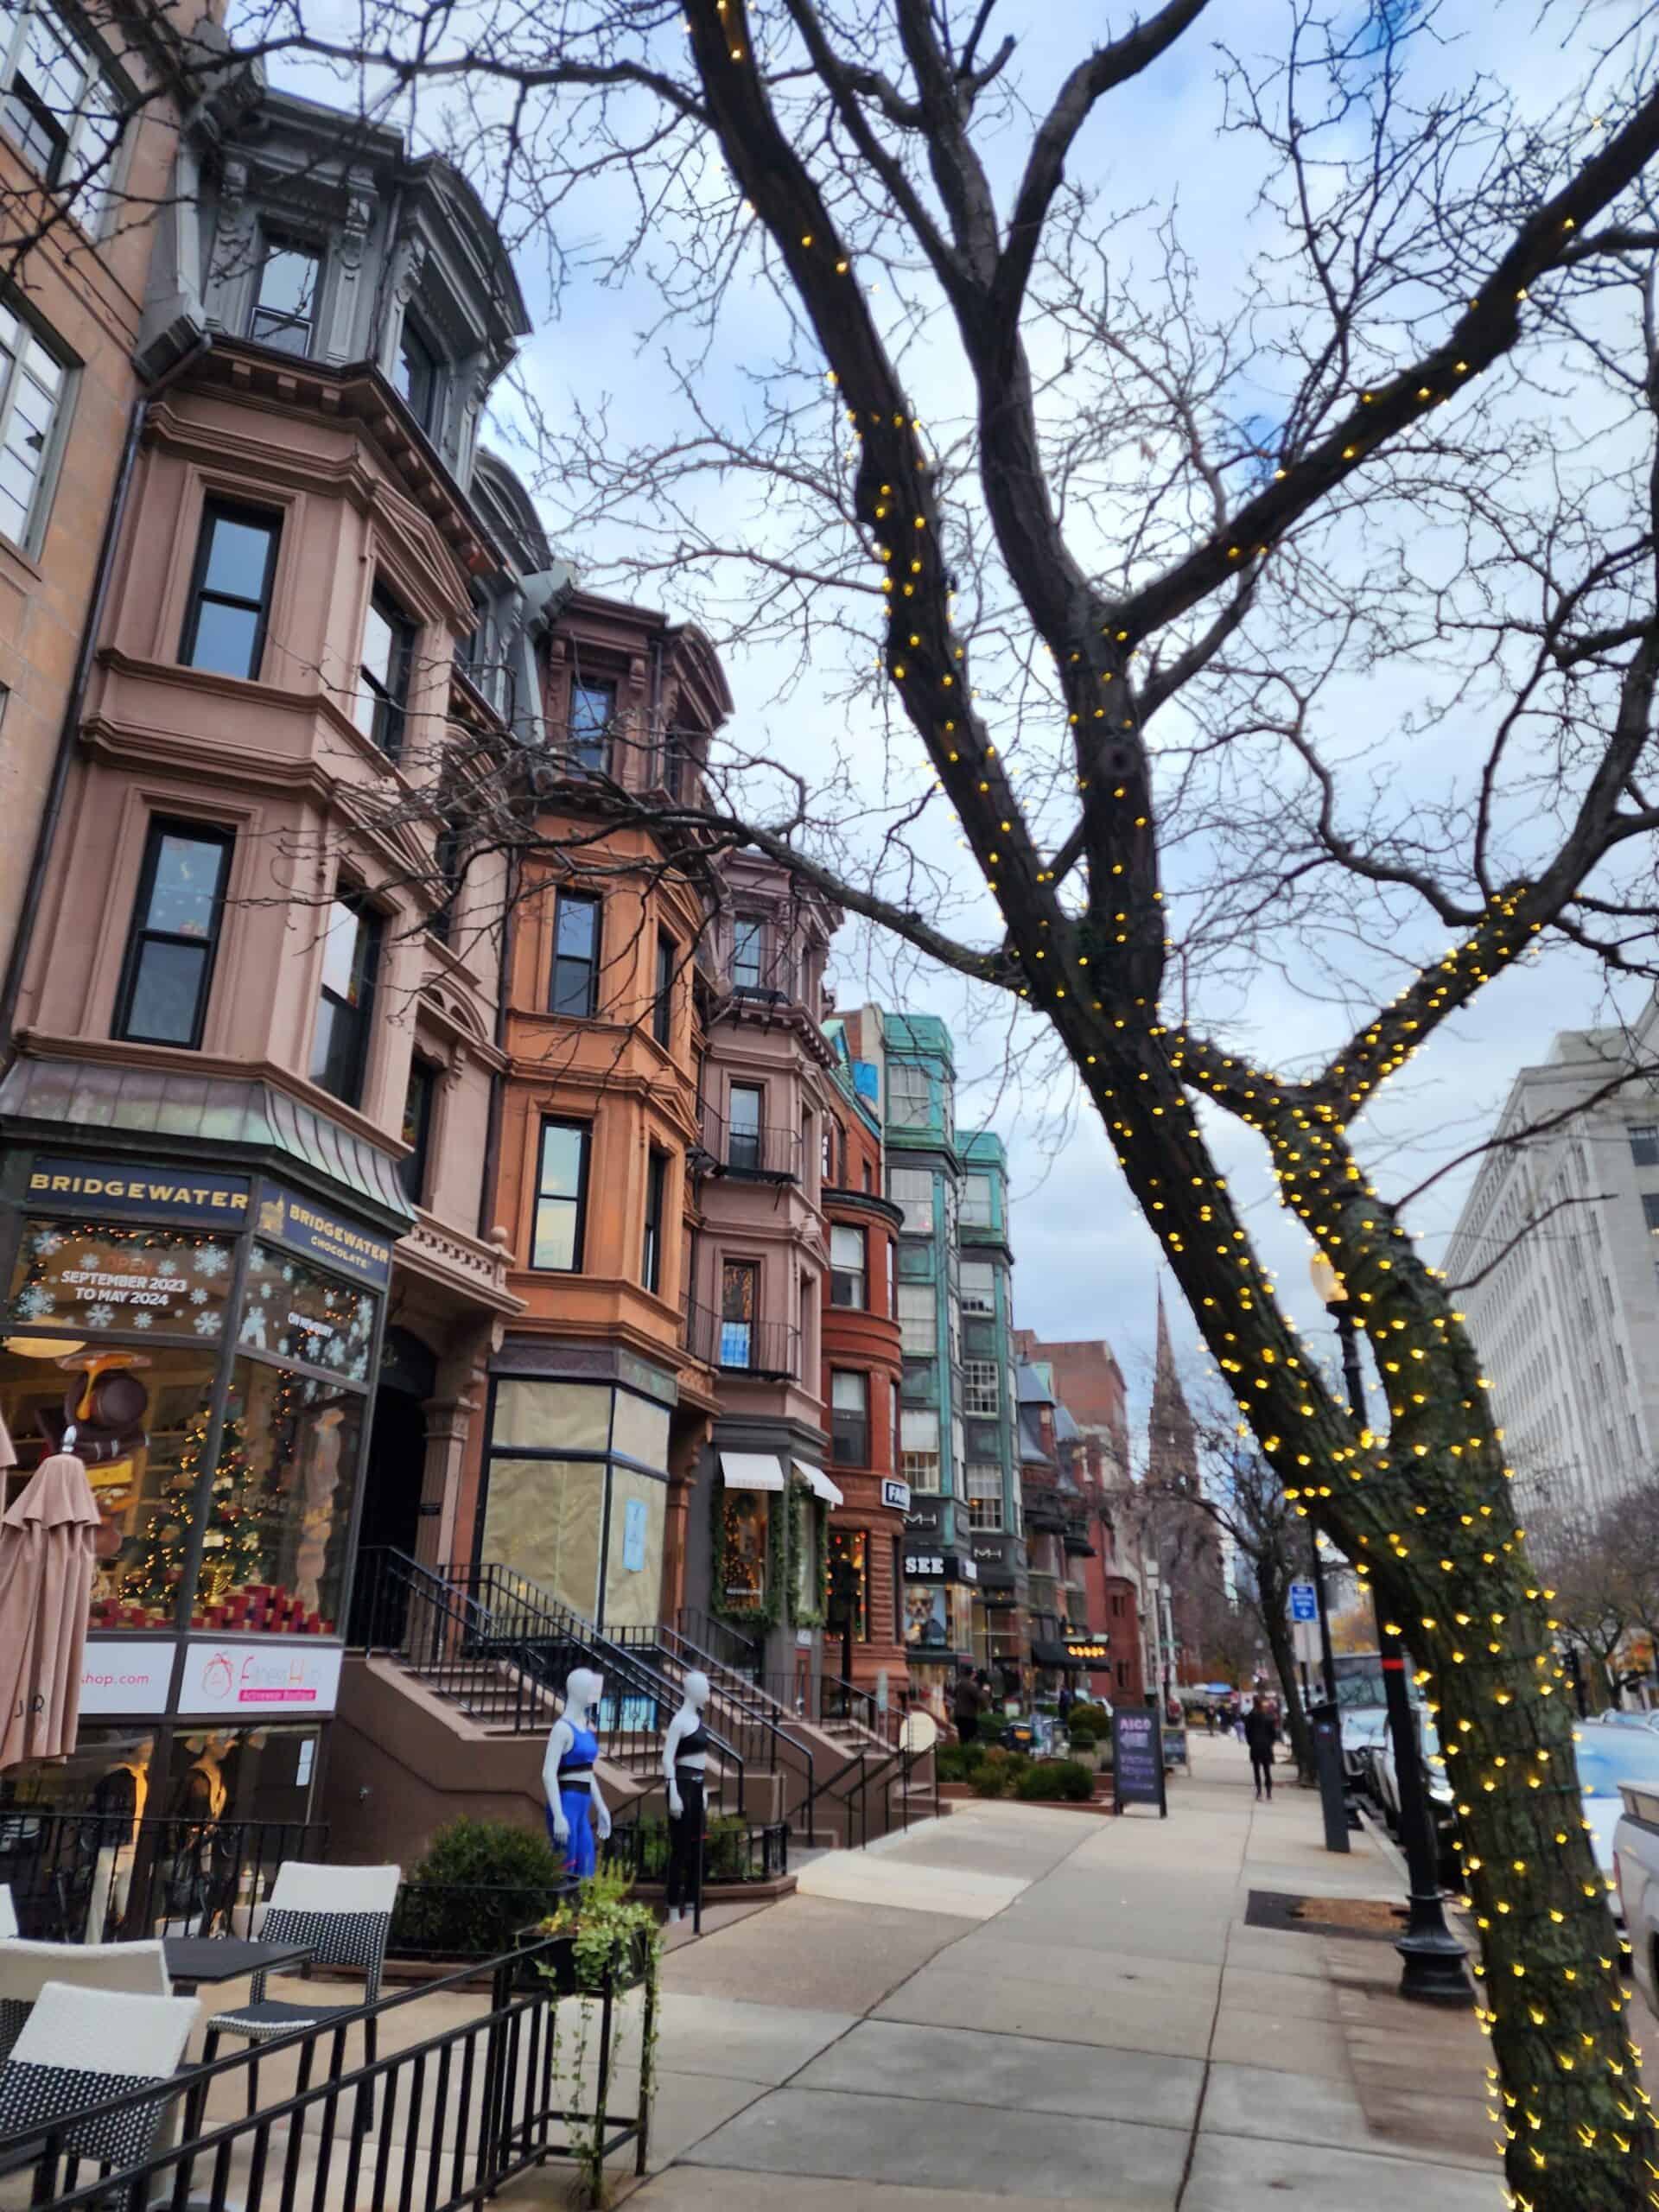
167	1267
359	1368
143	1320
47	1242
198	1297
287	1274
206	1325
33	1303
90	1259
99	1317
210	1261
264	1290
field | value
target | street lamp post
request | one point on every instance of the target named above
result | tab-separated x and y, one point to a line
1432	1971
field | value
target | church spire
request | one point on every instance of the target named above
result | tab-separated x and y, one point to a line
1171	1455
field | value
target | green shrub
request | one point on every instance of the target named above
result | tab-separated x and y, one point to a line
1084	1726
959	1762
1068	1780
725	1850
998	1772
478	1883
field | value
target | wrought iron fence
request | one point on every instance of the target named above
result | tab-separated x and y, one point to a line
92	1878
769	1151
443	2123
469	1920
769	1349
732	1851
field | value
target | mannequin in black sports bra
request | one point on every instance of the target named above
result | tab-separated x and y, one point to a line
685	1757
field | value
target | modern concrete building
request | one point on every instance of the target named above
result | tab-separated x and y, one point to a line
1555	1261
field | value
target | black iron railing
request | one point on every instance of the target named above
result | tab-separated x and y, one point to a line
93	1877
467	1919
768	1150
768	1350
829	1702
875	1792
742	1712
445	2122
733	1851
729	1646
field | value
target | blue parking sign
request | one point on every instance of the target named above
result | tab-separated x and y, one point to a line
1304	1604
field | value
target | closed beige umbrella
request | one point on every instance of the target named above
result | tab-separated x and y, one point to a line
46	1588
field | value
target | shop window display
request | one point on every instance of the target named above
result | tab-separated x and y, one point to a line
742	1568
278	1508
168	1281
139	1417
296	1312
846	1583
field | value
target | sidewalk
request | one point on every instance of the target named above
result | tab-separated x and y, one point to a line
1019	2009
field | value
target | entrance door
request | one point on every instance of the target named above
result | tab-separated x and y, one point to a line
392	1480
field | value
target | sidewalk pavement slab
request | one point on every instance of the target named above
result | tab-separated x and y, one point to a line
1177	2027
891	1881
819	1953
689	2188
1229	2174
1024	2073
899	2140
748	2043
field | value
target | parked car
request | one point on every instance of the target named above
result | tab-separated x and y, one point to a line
1385	1785
1616	1716
1609	1757
1363	1727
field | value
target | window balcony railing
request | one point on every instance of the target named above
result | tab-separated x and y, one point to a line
768	1350
768	1151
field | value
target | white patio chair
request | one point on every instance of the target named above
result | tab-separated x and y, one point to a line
82	2044
139	1969
345	1914
8	1914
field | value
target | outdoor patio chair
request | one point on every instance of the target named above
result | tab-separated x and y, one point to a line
137	1969
345	1914
81	2046
8	1914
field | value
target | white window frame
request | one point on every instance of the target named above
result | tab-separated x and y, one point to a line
919	1333
974	1387
919	1200
984	1491
904	1097
918	1461
970	1217
92	204
970	1298
843	1239
30	337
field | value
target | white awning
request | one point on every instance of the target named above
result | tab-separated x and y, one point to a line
818	1481
750	1471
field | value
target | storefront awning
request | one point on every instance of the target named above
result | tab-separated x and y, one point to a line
818	1483
1044	1654
750	1471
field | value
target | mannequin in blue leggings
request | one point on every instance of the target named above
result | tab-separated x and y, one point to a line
577	1818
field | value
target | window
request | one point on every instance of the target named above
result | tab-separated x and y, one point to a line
60	109
417	375
650	1266
890	1455
984	1496
285	309
978	1287
592	712
919	1319
560	1196
976	1202
908	1100
911	1189
168	970
827	1165
33	385
809	1570
980	1393
351	956
388	661
575	956
847	1266
418	1128
662	1005
747	939
918	1447
739	1280
447	868
1650	1211
958	1459
892	1278
849	1418
744	1150
1644	1145
229	597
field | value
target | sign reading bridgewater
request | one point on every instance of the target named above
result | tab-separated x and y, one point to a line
127	1186
331	1237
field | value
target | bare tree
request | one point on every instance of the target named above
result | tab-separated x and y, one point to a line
1301	624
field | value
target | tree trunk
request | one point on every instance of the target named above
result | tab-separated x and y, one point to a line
1284	1660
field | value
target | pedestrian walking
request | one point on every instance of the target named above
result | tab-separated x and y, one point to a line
1261	1734
1065	1702
966	1707
1208	1719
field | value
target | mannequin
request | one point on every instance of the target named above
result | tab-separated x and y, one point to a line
576	1813
118	1802
685	1755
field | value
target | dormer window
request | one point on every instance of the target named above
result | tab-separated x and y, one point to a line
285	309
418	375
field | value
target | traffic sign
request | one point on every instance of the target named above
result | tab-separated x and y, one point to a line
1304	1602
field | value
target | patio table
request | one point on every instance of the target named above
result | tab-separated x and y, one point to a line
193	1960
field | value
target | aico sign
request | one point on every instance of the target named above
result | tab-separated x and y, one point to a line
279	1677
